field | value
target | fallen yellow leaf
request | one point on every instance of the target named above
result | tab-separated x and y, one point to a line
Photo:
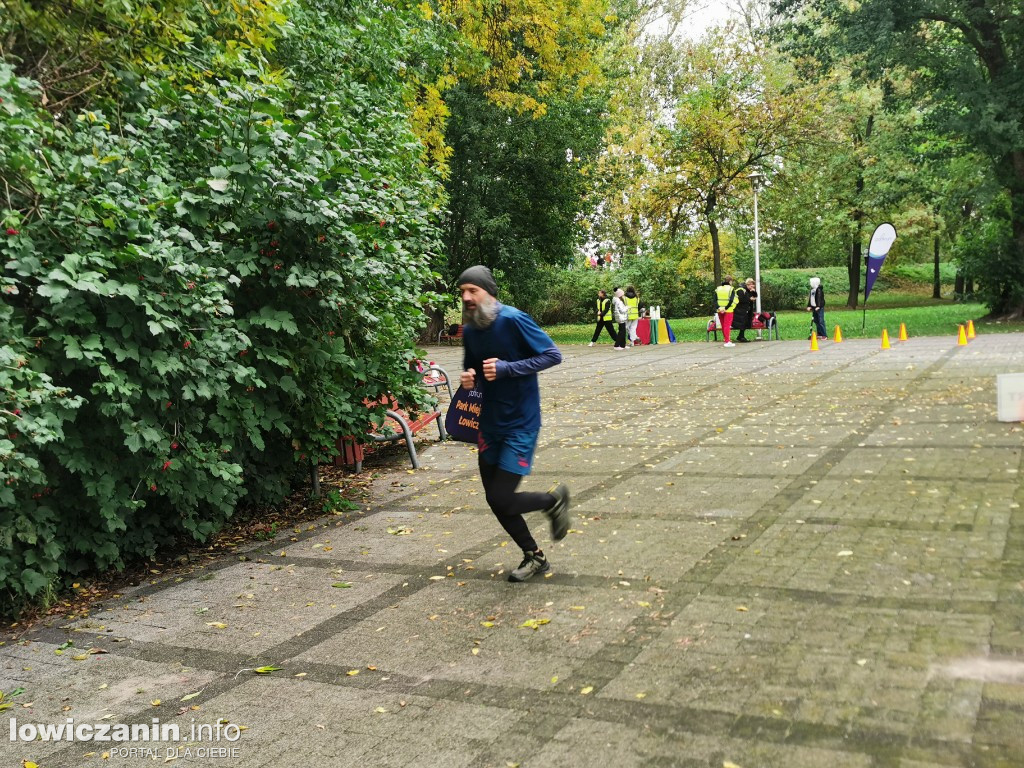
587	690
534	624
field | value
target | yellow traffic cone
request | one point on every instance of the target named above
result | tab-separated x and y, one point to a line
903	331
961	338
838	336
970	329
885	339
814	342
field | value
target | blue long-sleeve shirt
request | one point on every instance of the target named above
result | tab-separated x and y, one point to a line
511	402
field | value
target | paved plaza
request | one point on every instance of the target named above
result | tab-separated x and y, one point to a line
778	557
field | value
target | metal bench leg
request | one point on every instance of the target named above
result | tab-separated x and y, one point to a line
440	426
408	439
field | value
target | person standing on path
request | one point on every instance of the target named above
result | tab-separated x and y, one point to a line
725	301
632	302
604	318
503	350
816	306
620	312
743	315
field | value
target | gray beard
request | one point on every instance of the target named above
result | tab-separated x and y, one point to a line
484	314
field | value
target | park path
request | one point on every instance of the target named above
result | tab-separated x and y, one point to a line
778	558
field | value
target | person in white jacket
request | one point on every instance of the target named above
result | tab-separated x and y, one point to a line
620	313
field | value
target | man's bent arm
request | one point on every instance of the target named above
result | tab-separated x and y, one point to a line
547	359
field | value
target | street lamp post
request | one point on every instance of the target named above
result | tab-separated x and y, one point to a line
755	181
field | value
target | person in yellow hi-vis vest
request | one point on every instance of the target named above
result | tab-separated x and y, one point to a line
632	314
726	301
604	317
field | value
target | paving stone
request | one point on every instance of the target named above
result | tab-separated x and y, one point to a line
821	569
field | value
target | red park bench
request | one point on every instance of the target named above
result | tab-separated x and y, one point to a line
400	423
766	321
452	335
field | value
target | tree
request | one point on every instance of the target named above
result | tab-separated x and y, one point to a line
730	110
517	189
965	59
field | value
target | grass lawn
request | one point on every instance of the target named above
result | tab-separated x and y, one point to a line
924	318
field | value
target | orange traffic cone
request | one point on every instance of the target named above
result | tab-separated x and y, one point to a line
970	329
839	335
903	331
961	338
814	342
885	339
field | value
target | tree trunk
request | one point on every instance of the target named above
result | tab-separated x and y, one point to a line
716	247
856	263
959	289
1015	309
937	276
716	250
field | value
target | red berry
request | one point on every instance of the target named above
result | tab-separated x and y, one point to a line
376	247
12	231
167	464
152	487
187	344
382	222
273	243
169	403
174	446
271	225
17	412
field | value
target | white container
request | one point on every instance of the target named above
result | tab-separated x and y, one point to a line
1010	396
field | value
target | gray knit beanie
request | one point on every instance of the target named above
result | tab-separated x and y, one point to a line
480	276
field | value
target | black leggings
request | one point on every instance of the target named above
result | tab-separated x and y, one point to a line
603	325
508	506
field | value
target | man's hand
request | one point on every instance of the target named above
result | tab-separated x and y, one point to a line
491	368
468	379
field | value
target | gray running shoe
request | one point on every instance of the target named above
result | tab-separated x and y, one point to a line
558	514
532	564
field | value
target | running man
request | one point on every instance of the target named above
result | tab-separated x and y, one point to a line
503	350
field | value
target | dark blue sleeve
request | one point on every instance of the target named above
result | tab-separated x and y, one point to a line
469	358
545	353
546	359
